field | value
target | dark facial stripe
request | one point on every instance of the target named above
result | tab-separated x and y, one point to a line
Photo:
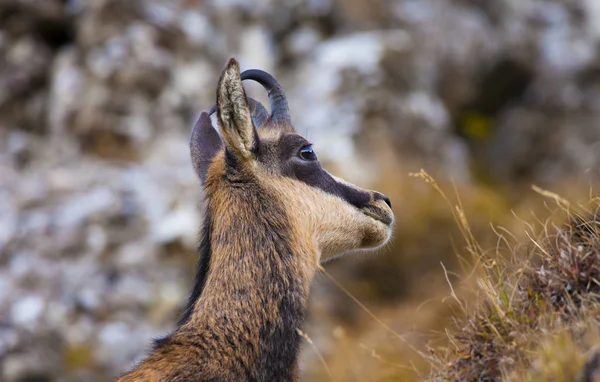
311	172
319	178
281	155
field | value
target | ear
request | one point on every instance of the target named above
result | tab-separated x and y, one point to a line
205	143
234	114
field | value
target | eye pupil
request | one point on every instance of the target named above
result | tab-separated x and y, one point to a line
307	153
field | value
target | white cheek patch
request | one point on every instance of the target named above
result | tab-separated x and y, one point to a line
335	225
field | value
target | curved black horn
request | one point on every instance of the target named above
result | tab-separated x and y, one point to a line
257	111
279	107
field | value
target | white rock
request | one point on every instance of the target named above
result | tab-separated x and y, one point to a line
81	331
5	288
339	53
256	7
119	344
89	297
130	290
319	7
97	238
78	208
182	224
430	109
161	13
196	26
21	52
257	49
67	82
8	219
8	339
57	314
593	17
138	127
114	334
135	253
21	264
27	310
34	222
192	78
303	41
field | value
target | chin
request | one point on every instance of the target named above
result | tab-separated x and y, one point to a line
374	240
376	236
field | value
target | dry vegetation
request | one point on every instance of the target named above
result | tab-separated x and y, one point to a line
488	289
537	311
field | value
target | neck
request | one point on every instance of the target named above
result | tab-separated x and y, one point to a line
251	289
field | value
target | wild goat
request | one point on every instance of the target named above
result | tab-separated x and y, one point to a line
272	215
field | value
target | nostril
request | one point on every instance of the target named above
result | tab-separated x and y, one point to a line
380	196
387	201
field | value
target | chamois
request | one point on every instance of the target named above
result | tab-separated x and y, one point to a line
272	215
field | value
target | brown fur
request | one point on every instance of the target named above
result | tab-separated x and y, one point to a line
268	231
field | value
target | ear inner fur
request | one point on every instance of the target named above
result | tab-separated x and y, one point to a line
234	114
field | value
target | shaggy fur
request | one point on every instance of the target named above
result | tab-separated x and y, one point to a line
272	216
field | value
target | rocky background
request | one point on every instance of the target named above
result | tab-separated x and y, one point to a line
99	203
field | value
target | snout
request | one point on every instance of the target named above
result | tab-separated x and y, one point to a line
380	196
380	209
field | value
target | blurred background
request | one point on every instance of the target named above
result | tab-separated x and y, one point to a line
99	204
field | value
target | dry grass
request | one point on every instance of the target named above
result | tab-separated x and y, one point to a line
538	302
524	309
404	287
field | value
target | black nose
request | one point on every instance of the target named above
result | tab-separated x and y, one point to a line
380	196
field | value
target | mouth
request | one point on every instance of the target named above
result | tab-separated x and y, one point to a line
379	215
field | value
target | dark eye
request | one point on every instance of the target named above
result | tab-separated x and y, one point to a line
307	153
